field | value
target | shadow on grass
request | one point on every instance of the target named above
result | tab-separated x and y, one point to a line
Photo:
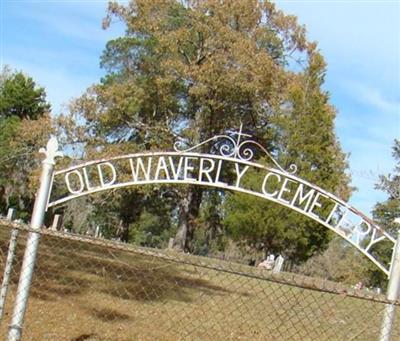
67	268
108	315
83	337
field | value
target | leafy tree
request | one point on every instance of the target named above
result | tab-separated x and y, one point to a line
24	127
190	70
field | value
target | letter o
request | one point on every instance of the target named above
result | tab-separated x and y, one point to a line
74	191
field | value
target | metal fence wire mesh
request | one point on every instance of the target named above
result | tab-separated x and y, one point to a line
91	289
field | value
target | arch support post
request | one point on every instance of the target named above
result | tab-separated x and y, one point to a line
28	263
393	291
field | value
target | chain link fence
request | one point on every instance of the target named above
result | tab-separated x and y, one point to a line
94	289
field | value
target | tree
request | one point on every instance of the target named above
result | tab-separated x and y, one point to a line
305	136
25	125
385	213
341	262
190	70
21	97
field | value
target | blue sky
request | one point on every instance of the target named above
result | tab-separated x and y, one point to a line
59	43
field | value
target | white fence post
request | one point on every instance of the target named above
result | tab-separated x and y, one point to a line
9	263
28	264
392	293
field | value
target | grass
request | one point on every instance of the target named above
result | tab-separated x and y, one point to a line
88	292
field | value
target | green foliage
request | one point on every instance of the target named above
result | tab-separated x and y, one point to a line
304	136
24	128
273	229
210	236
21	97
150	230
306	132
342	263
8	129
386	212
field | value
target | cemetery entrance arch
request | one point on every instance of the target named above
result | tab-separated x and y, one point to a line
227	165
223	161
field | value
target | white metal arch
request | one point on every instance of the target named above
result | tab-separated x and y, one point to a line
187	167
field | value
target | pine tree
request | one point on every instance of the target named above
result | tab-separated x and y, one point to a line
21	97
305	136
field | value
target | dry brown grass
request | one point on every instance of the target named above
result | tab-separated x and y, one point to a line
88	292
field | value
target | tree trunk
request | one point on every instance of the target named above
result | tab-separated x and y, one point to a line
5	194
189	206
213	224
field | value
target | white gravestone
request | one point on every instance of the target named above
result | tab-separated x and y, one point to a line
278	264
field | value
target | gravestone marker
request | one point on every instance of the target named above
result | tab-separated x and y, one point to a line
56	222
278	264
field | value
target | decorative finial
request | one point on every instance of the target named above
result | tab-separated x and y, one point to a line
51	151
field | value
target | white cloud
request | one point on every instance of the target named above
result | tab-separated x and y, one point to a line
370	96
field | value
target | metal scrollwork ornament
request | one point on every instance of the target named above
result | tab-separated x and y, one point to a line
237	148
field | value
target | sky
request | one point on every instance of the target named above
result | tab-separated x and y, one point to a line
59	42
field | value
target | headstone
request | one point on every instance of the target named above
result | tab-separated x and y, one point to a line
56	222
359	285
278	264
270	262
97	232
11	214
